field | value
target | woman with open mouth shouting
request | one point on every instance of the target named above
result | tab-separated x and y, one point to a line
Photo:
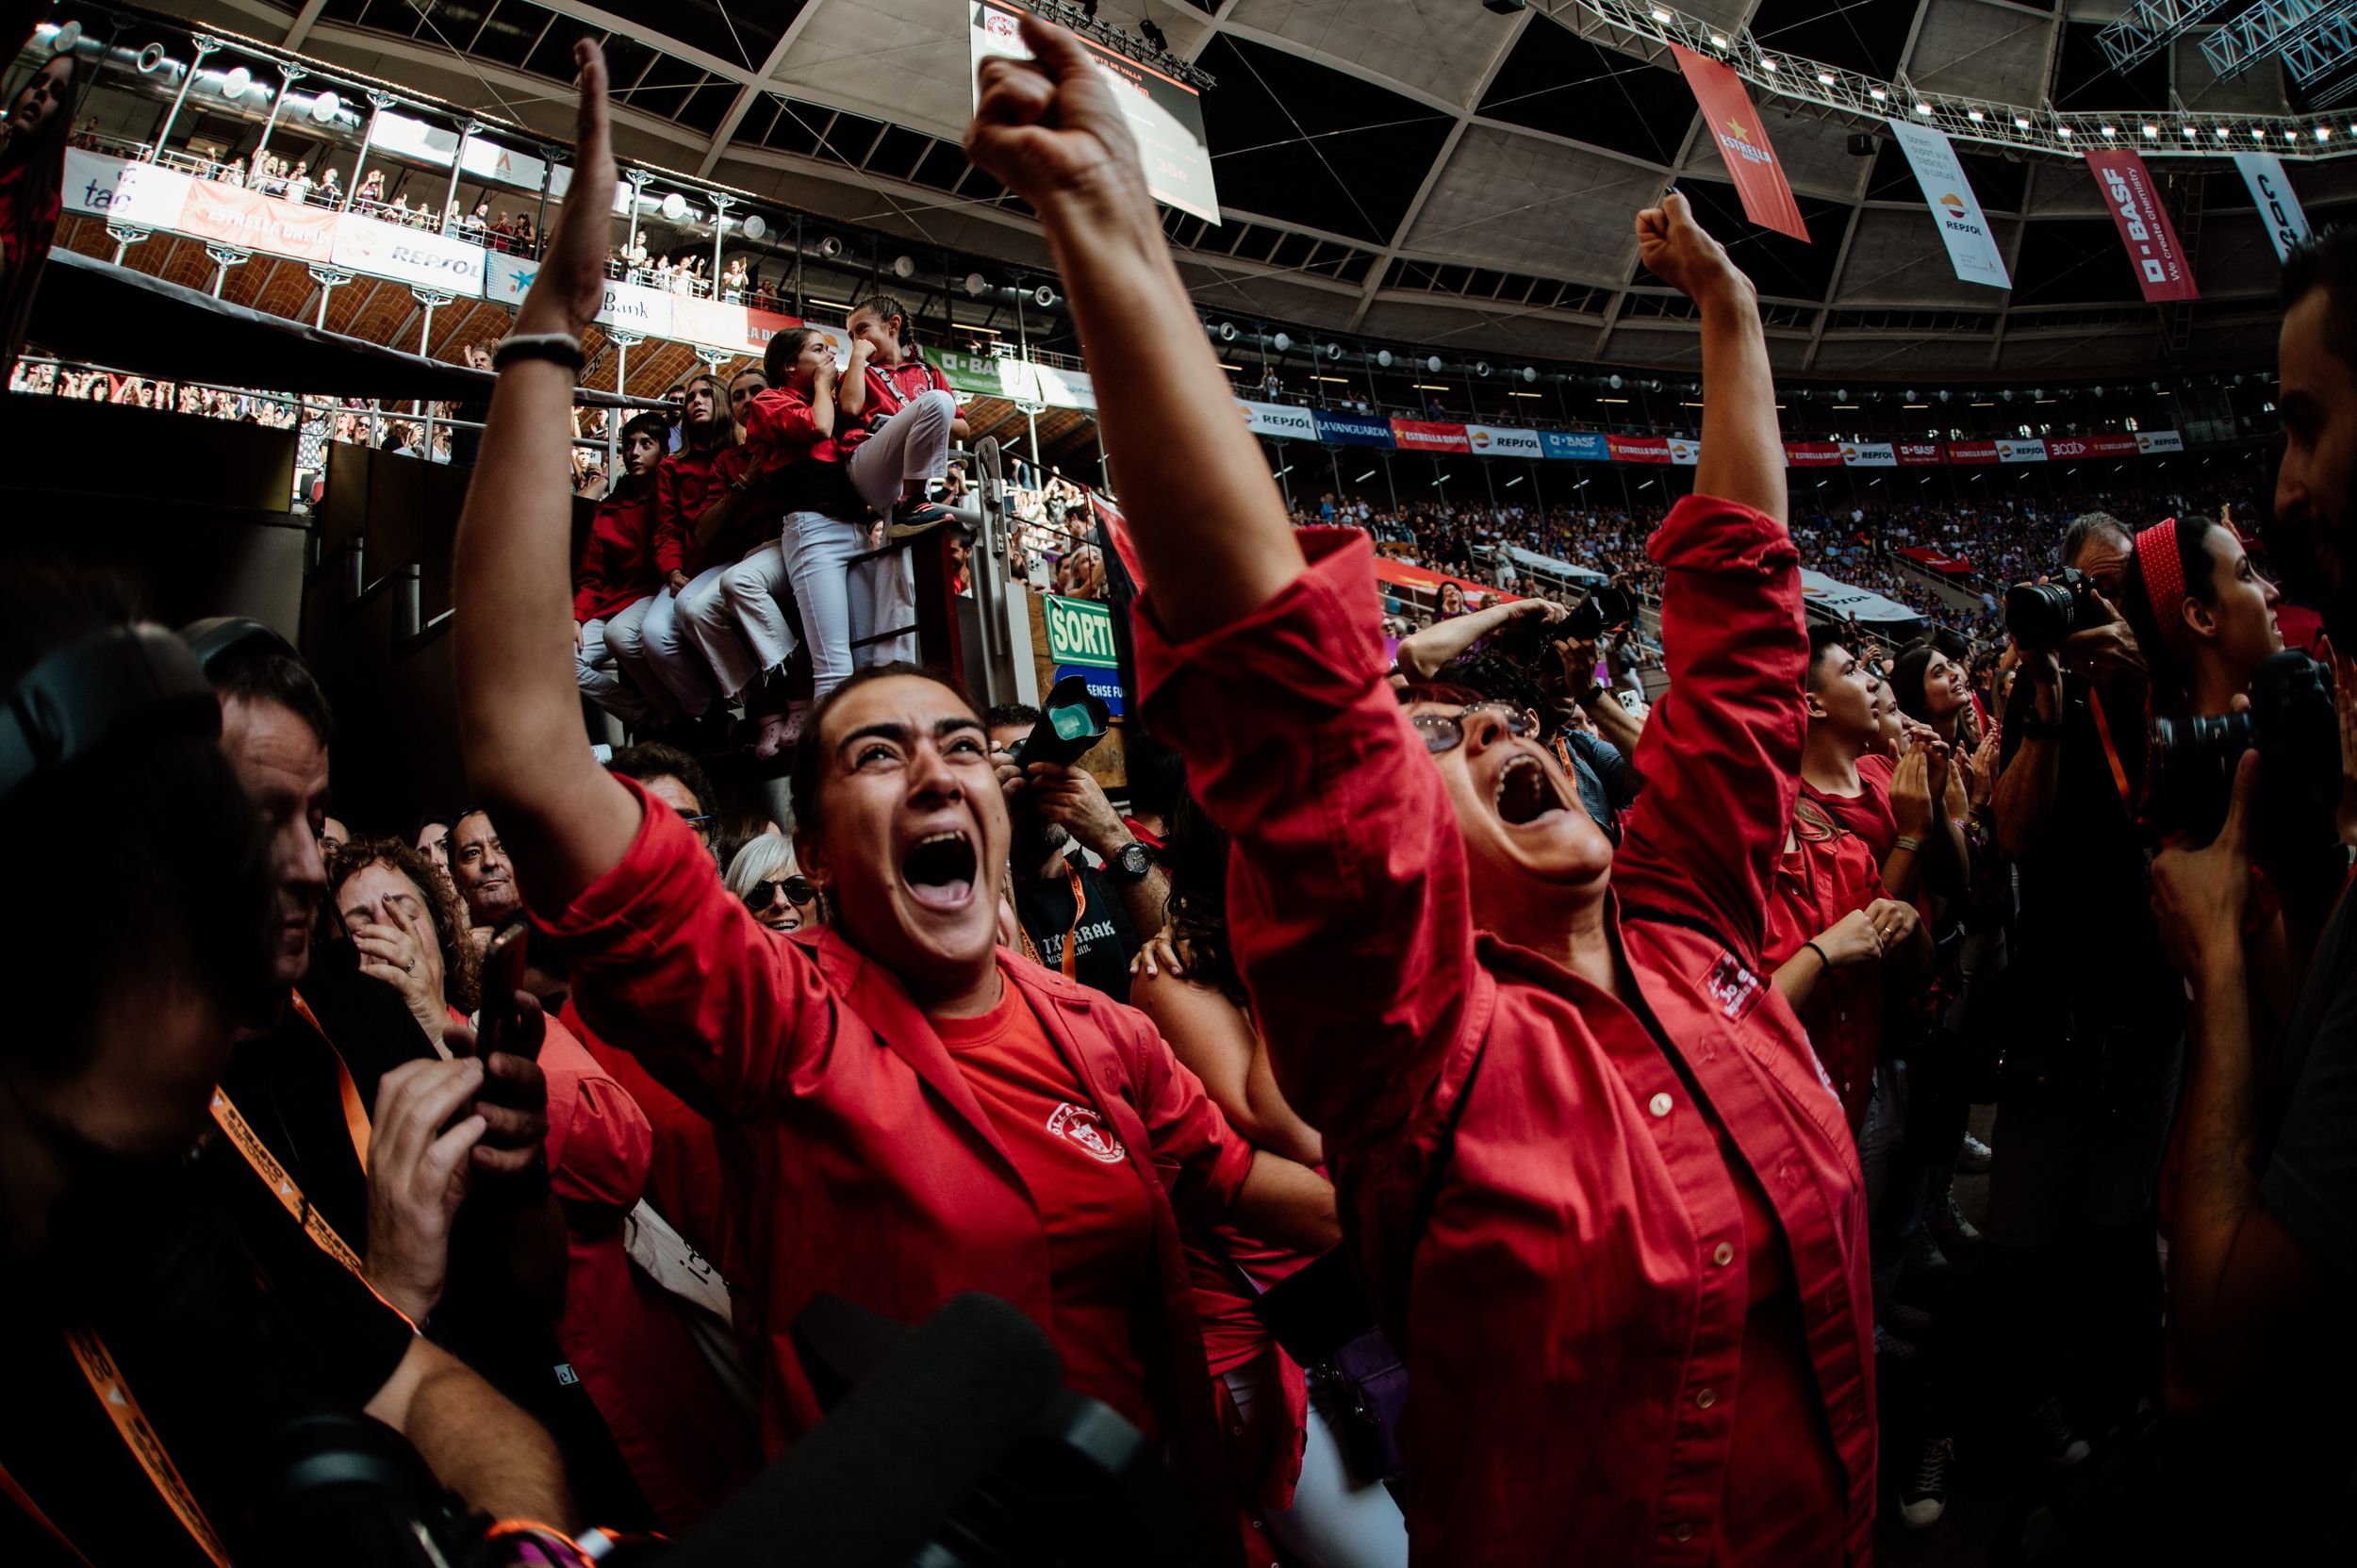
925	1114
1574	1121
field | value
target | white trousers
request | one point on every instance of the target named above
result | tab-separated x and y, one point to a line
670	657
1336	1520
743	627
603	686
625	639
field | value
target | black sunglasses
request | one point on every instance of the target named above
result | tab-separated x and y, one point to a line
797	892
1445	732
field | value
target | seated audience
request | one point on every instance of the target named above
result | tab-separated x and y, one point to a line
615	583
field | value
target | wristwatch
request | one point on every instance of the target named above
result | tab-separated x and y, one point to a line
1132	863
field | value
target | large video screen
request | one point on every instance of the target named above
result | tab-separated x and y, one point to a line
1166	114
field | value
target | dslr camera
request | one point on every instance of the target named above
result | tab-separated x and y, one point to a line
2039	614
2294	726
1607	605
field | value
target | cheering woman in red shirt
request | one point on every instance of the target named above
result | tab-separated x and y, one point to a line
926	1114
1571	1119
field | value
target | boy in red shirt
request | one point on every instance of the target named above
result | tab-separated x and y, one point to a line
617	578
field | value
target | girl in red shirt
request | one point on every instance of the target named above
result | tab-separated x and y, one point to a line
32	176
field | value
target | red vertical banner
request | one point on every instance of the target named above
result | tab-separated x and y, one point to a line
2162	271
1734	124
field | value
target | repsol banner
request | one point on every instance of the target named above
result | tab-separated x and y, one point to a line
1490	440
414	257
1282	420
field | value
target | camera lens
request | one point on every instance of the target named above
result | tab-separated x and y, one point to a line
2037	614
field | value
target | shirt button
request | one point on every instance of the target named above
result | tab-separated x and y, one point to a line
1704	1399
1684	1532
1722	1254
1659	1105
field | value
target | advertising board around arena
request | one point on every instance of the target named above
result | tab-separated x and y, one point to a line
1352	429
1284	420
1430	435
1685	453
148	197
1973	250
2162	271
1062	388
1638	449
88	183
1812	454
2022	452
1868	455
1972	452
1081	632
418	257
2062	449
2271	193
1579	446
716	323
1732	121
231	215
1917	454
2160	440
1490	440
630	307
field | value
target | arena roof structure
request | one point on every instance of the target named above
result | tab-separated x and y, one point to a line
1439	173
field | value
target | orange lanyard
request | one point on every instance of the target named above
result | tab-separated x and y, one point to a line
31	1510
139	1435
355	1114
282	1186
2111	753
1072	939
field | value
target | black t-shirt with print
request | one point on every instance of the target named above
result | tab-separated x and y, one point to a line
1103	940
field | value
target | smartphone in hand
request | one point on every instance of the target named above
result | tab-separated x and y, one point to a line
501	1025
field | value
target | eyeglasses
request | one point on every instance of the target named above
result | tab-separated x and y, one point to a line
1445	732
797	892
701	824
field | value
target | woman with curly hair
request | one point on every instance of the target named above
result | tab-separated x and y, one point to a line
405	920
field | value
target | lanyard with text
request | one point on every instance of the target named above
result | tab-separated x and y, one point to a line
355	1114
122	1406
2111	753
1071	960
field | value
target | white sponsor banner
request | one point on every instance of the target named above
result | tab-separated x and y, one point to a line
2271	193
1955	211
1490	440
2160	440
1868	455
399	132
418	257
1278	419
627	307
1549	563
1064	388
90	181
148	197
1841	600
2022	452
1684	451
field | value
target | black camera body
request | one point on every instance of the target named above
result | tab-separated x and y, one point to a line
2296	729
1607	605
1072	721
2039	614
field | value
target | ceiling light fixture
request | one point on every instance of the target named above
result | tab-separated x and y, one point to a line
1974	115
1878	94
1825	78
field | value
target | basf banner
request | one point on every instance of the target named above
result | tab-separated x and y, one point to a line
1579	446
2022	452
1430	435
1915	454
2160	440
2279	209
1742	140
1165	115
1282	420
1868	455
2144	227
418	257
1353	430
1955	211
1490	440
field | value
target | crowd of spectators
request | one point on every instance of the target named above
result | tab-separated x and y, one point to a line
1638	1045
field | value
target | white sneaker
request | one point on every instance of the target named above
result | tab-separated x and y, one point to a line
1976	1158
1925	1498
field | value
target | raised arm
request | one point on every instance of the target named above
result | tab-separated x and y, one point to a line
564	821
1421	655
1210	527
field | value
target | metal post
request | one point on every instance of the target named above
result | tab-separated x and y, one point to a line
622	341
288	76
458	164
124	239
720	205
548	177
329	279
1023	347
224	258
378	103
205	45
429	298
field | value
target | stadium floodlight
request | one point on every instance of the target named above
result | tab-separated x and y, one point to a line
324	108
1383	357
755	225
1282	343
1432	363
674	207
236	82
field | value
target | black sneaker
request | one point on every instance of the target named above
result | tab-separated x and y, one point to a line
1899	1318
1925	1498
2052	1437
911	518
1958	1236
1892	1347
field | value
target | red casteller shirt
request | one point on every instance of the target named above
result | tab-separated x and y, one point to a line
878	1173
618	564
780	429
1868	812
891	388
1641	1325
683	487
1816	884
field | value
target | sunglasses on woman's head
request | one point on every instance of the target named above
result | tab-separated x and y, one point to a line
1445	732
797	892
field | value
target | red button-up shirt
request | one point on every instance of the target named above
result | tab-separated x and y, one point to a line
617	566
1575	1302
1818	882
890	389
683	487
877	1172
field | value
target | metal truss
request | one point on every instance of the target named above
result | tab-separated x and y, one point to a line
2275	27
2149	26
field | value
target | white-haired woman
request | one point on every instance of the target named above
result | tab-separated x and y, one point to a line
765	875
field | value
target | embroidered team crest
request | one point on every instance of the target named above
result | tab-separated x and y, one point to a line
1078	1124
1734	987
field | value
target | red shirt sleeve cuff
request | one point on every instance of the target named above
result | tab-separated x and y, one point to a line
1704	533
1318	642
622	915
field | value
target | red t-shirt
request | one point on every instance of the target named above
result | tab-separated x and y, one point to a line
1868	812
1100	1221
891	388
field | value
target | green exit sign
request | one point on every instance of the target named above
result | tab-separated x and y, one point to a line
1080	632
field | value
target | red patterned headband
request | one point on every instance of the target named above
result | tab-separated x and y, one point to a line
2164	574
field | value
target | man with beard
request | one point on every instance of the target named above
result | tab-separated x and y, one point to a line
1082	920
2264	1197
480	869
